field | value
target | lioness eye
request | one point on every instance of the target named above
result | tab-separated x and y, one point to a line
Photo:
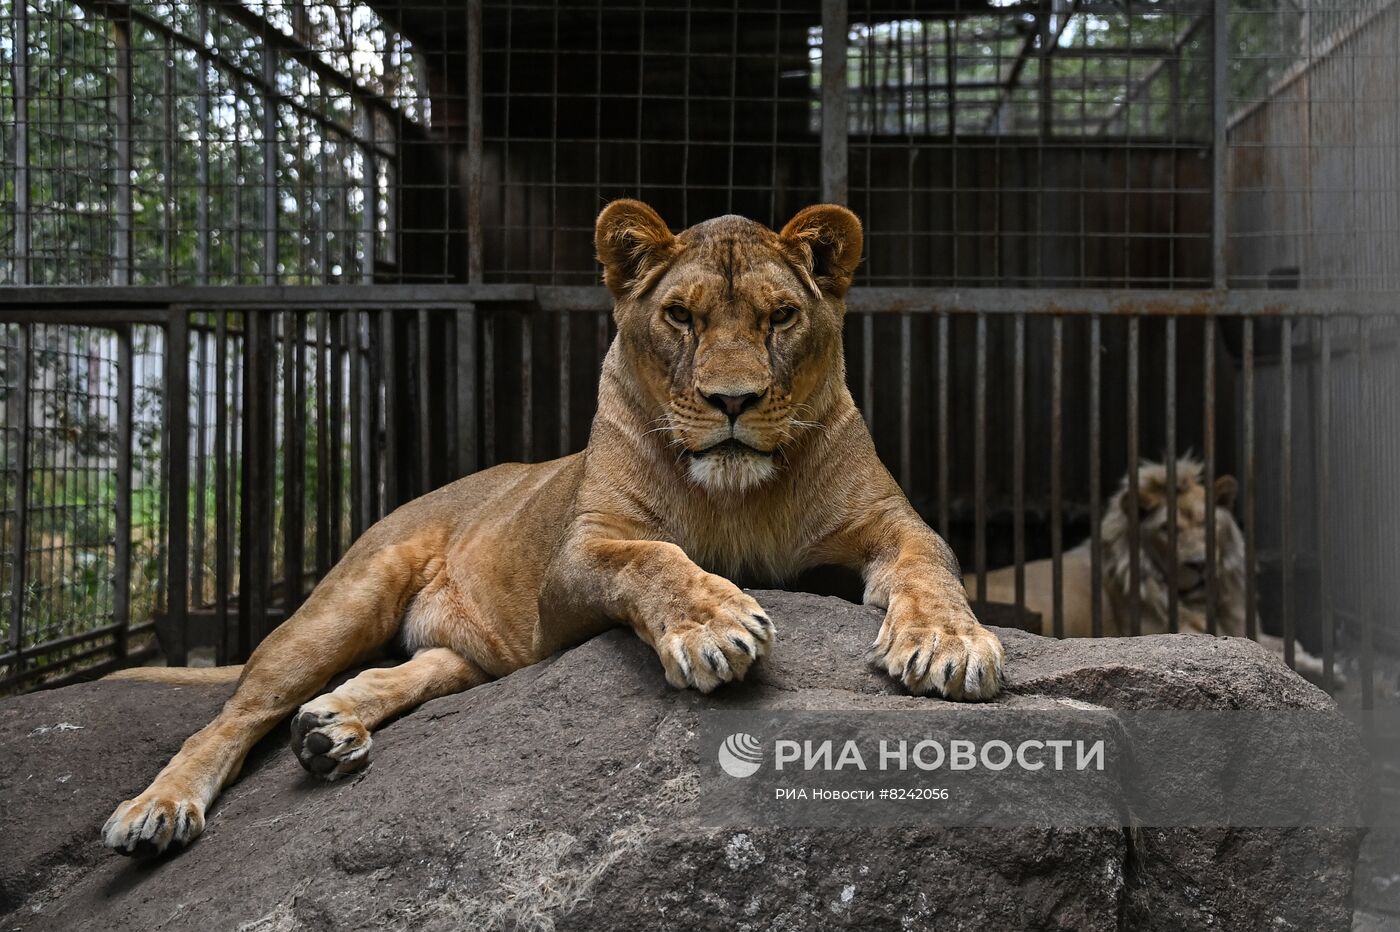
678	315
783	315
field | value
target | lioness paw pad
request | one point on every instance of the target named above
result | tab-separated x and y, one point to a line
716	645
147	826
329	741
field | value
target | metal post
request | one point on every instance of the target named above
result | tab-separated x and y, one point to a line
1134	531
121	177
19	70
121	549
1219	138
834	102
19	572
223	528
177	419
1095	475
1057	566
293	458
474	141
466	331
270	157
202	205
1173	617
1208	455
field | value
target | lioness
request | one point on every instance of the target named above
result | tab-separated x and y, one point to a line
1154	566
725	442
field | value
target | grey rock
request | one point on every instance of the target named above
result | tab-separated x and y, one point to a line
562	797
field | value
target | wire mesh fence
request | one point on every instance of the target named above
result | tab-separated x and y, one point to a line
1097	233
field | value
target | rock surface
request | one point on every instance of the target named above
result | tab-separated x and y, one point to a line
558	797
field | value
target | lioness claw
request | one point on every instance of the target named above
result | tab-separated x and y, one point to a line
147	826
715	646
963	663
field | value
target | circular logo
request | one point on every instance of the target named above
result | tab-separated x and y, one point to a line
740	755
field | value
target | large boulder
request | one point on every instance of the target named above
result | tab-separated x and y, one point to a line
563	797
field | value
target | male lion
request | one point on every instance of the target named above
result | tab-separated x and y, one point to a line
725	442
1154	566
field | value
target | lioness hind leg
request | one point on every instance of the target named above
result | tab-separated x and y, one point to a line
351	614
331	733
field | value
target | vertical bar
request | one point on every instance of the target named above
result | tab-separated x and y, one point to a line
1286	558
906	402
1251	615
177	419
1370	608
121	247
1173	618
121	572
1324	484
269	181
834	102
201	435
223	530
168	190
375	397
425	393
1095	474
395	469
324	361
564	379
467	433
202	199
1047	36
369	194
335	433
1057	499
527	381
979	443
1220	10
19	581
293	458
1133	510
488	387
1208	454
1018	464
362	391
255	488
19	70
944	384
473	144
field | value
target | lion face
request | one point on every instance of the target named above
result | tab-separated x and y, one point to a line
732	331
1191	526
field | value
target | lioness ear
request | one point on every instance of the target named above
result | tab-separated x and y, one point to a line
1225	489
633	243
826	240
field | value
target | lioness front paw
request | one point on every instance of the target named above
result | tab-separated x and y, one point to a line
954	657
328	739
149	824
716	641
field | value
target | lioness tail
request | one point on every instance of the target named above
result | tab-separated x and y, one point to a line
179	676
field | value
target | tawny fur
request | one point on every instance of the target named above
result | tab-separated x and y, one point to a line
1153	566
179	676
725	442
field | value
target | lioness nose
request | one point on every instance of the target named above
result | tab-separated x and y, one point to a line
733	405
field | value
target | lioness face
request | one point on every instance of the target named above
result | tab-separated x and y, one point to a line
740	330
1190	523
